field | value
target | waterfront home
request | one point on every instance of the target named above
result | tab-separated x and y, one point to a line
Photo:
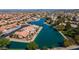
74	26
26	33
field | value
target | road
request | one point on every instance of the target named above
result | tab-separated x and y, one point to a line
8	32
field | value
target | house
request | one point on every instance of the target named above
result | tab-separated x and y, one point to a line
74	25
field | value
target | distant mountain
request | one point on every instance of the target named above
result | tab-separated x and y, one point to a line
35	10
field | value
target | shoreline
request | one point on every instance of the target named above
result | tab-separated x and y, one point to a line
63	35
36	34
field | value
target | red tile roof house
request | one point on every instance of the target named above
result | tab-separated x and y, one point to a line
22	35
7	27
25	34
11	25
2	29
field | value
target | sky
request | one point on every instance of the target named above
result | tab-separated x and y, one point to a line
39	4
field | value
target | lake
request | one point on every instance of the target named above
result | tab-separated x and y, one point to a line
48	37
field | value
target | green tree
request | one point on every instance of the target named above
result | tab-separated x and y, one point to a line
60	19
4	42
49	20
32	46
68	26
60	27
69	32
77	38
68	42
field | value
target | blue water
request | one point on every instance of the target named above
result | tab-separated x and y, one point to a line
17	45
39	22
48	37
